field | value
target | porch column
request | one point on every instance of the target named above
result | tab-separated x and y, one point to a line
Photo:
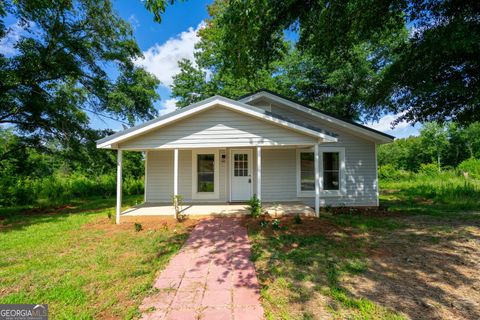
317	180
119	186
175	175
175	172
259	173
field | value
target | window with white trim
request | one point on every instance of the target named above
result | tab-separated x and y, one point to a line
331	172
307	171
206	172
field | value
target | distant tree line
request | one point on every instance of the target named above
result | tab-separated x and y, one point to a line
444	145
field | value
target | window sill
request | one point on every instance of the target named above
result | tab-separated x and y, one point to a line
205	195
323	194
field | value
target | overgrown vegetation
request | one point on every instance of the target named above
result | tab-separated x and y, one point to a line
54	175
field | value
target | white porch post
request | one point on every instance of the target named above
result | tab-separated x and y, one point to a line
175	175
317	181
259	173
119	186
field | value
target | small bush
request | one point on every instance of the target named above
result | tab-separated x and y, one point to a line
390	173
471	166
297	219
276	224
138	227
255	206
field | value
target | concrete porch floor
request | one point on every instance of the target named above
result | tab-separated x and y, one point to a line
211	209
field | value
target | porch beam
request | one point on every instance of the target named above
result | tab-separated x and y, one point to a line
259	173
317	180
119	185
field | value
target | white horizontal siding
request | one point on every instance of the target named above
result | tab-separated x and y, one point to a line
279	175
359	161
160	177
218	127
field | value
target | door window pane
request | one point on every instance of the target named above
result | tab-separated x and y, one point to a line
331	171
307	171
240	165
205	172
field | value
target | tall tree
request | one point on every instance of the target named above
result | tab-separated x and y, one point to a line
434	74
336	84
72	56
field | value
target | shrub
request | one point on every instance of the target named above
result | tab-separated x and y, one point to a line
390	173
255	206
276	224
138	227
472	166
428	169
297	219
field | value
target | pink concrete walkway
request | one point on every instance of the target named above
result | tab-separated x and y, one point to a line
211	278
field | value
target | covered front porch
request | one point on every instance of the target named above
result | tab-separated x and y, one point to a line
214	209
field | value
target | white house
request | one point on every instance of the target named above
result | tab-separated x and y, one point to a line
224	151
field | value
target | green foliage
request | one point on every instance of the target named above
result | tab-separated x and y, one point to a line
445	145
297	219
428	169
33	176
471	166
60	188
388	172
57	70
442	193
428	73
333	84
275	224
255	206
138	227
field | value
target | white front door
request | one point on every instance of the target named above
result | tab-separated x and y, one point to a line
241	175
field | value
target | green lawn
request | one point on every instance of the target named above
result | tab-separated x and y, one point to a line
80	263
416	257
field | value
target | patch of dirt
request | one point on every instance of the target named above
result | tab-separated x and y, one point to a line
427	269
308	226
148	223
421	278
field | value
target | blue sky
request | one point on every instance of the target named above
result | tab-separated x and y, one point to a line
165	43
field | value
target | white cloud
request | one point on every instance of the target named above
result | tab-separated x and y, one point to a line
14	31
162	59
385	123
402	129
168	106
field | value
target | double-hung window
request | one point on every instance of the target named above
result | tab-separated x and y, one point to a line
331	171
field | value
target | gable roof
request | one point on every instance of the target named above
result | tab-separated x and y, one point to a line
354	126
238	106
